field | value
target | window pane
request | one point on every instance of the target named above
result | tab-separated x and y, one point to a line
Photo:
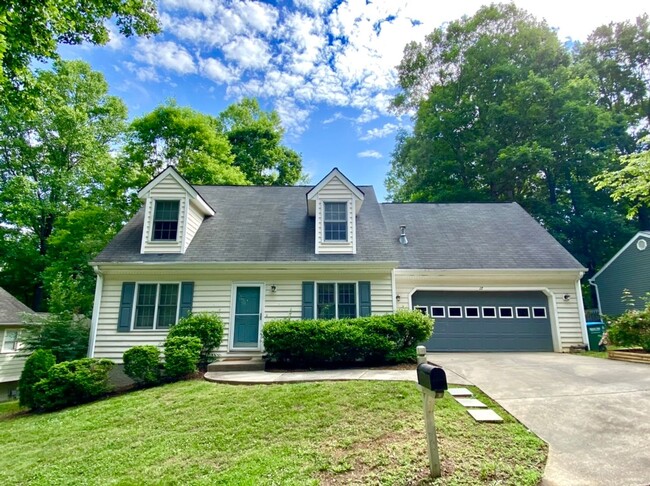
10	341
145	306
165	221
347	300
167	305
326	301
335	222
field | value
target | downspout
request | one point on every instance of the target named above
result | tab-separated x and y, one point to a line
593	283
99	286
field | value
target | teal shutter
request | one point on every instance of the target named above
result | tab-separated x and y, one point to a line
308	300
365	307
187	295
126	307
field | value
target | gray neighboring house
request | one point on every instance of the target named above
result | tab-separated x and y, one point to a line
628	269
11	364
491	276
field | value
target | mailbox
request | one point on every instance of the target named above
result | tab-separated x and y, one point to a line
432	377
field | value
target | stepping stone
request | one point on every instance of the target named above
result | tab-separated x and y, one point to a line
471	403
485	415
459	392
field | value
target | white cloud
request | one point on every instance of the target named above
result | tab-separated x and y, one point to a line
258	16
382	132
370	154
205	7
337	116
248	52
216	70
168	55
294	119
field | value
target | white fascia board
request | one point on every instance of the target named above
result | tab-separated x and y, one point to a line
335	172
416	272
195	196
618	253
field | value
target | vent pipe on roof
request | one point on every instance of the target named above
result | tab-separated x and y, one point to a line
402	234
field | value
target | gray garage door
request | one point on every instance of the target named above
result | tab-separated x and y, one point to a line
487	321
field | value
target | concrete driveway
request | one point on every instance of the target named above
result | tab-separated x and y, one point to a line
593	413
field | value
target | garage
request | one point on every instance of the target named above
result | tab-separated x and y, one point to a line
487	321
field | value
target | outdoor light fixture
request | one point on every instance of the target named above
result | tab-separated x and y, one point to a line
273	289
397	298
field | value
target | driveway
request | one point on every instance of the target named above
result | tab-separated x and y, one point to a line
593	413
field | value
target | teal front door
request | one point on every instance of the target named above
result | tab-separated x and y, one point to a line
247	318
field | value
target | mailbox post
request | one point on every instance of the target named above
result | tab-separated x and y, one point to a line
432	381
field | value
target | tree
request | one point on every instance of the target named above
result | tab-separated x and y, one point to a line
180	136
55	159
32	29
255	137
503	113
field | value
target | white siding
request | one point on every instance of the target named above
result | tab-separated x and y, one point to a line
213	292
194	220
335	191
11	365
166	189
568	325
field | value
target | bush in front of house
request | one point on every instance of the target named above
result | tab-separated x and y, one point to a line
64	334
71	383
632	328
142	364
208	328
36	368
383	339
182	355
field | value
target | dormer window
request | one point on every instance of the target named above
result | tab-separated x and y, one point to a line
335	221
165	222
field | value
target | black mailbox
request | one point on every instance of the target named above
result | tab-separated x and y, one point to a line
432	377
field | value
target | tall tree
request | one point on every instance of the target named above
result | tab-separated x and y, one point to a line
55	158
504	114
255	136
32	29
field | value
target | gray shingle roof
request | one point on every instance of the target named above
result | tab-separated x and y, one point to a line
271	224
11	309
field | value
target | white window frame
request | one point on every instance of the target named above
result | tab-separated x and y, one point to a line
478	312
496	314
444	311
539	317
17	343
422	308
153	220
336	297
517	309
460	307
155	312
512	313
347	224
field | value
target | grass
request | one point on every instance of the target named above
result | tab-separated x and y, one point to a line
599	354
8	409
196	432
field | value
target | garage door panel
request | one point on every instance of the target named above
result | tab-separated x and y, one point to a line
488	334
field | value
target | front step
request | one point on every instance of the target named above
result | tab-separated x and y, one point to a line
238	363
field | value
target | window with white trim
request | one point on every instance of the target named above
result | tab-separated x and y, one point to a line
505	312
437	311
423	309
539	312
489	312
336	300
522	312
156	306
335	221
455	312
165	221
11	341
472	312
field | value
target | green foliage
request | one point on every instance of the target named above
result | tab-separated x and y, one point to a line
632	328
36	368
63	334
388	338
207	327
142	364
71	383
182	356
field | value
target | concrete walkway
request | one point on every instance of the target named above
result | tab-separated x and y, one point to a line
265	377
594	413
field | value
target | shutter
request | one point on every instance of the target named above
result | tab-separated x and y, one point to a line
187	295
126	307
365	308
308	300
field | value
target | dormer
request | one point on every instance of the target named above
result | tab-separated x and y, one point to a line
335	203
173	213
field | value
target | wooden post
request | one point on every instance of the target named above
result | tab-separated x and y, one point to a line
428	402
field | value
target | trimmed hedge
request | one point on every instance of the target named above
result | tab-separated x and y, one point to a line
385	339
36	368
207	327
182	356
72	382
142	364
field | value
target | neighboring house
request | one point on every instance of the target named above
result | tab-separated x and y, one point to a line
492	277
628	269
11	364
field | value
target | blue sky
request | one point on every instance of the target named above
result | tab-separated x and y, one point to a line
326	66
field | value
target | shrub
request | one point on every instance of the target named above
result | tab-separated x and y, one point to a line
208	328
63	334
73	382
182	356
632	328
142	364
36	368
382	339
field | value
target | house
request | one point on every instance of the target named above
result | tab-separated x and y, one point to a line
629	270
491	276
11	364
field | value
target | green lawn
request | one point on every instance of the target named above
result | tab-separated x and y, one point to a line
196	432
